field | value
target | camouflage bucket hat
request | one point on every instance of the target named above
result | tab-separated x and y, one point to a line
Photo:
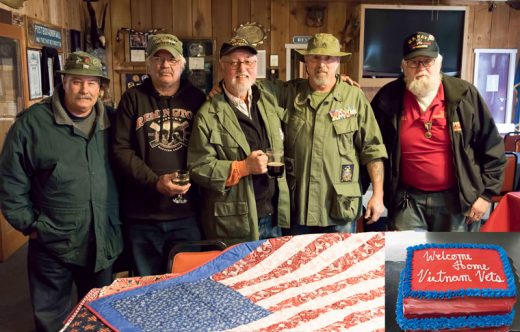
164	41
84	64
323	44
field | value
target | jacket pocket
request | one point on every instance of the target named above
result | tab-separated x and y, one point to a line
226	146
62	230
231	220
345	204
345	130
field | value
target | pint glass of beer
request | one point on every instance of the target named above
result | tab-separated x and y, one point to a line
275	162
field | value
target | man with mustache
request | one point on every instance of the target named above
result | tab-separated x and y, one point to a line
56	186
227	156
446	158
330	134
152	130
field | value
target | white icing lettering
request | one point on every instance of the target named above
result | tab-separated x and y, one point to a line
441	277
443	256
489	276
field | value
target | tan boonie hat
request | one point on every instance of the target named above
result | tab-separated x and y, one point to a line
84	64
164	41
323	44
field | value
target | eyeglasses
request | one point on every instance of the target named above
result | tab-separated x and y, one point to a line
427	63
236	64
158	60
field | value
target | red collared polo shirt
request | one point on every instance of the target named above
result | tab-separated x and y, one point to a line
426	163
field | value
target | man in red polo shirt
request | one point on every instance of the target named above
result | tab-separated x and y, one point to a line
446	158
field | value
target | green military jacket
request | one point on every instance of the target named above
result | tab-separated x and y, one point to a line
216	141
324	150
56	180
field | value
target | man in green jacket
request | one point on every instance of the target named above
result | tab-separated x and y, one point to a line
446	158
56	186
330	134
226	154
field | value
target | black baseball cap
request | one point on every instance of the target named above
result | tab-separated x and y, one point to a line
420	44
234	44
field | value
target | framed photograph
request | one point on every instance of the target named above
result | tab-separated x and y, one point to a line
34	74
137	40
494	75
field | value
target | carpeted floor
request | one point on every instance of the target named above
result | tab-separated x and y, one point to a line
15	304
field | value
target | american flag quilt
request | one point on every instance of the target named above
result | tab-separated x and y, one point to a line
316	282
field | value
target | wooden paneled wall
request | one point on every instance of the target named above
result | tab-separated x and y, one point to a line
499	28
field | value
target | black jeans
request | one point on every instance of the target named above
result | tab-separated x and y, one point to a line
148	242
50	285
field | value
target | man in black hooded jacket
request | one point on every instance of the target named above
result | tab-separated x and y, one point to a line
153	125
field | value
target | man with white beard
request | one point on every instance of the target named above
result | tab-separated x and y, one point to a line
226	154
445	156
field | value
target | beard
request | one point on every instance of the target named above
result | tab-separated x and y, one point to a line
240	88
424	85
320	77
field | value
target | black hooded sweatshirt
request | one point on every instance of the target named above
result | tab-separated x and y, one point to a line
150	138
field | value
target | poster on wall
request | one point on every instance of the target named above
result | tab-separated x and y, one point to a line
34	74
493	77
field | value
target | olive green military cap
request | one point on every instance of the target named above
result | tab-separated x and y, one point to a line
164	41
323	44
84	64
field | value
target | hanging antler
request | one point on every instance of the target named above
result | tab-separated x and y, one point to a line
97	34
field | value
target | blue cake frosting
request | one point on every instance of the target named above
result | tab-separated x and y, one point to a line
472	321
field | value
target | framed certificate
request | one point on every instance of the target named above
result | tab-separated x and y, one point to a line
34	74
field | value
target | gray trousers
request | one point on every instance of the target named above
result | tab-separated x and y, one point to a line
437	211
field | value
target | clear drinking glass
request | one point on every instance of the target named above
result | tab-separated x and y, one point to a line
180	178
275	162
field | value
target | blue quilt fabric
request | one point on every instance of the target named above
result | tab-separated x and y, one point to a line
183	304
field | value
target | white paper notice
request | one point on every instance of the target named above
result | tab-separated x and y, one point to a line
195	63
492	83
137	56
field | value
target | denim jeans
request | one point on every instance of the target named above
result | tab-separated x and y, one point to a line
430	211
266	228
148	241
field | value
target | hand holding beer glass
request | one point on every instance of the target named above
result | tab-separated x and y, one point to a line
275	162
180	178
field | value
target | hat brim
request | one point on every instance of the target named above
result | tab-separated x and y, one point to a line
83	72
234	48
168	49
415	54
323	51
